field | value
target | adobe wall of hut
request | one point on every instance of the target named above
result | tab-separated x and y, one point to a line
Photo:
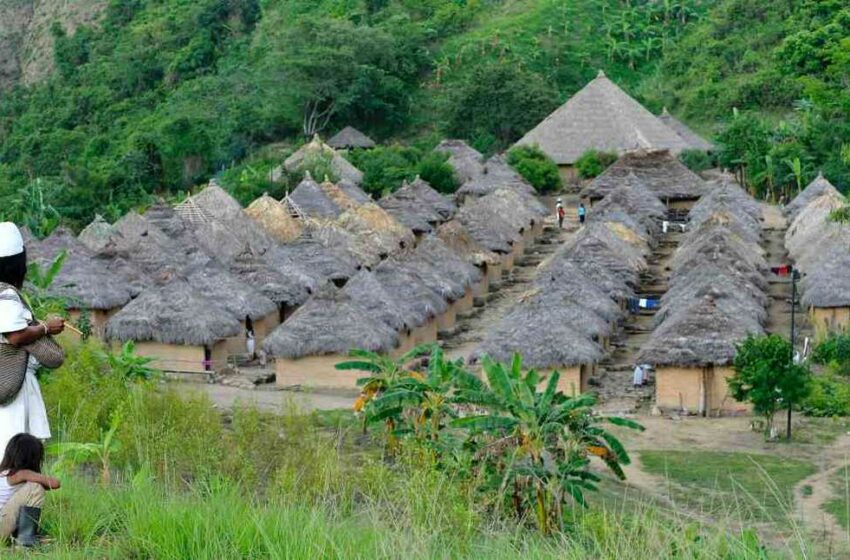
827	320
494	274
317	372
537	228
182	359
480	288
263	327
425	333
465	303
698	390
573	380
447	320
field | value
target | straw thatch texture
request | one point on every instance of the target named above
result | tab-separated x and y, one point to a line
374	225
812	191
330	323
329	234
366	290
418	206
700	335
638	201
495	175
339	197
827	284
417	301
84	281
458	239
811	227
225	211
320	262
174	313
483	218
349	138
150	249
717	241
274	218
288	287
659	170
603	117
313	201
693	140
354	192
467	162
316	149
97	234
450	265
731	199
448	288
571	282
230	293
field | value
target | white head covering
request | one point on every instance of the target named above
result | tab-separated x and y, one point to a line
11	242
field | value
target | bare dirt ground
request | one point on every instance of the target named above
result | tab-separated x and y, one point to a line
267	400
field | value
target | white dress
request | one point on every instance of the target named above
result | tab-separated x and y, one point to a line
26	413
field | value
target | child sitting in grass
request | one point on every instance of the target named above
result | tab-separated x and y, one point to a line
22	488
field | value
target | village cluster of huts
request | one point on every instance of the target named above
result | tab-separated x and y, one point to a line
312	276
820	249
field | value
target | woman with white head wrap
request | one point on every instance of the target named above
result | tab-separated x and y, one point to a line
26	412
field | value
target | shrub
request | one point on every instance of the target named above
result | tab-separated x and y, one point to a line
592	163
434	169
834	352
697	160
536	168
386	167
829	396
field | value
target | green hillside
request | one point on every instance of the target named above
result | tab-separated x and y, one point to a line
163	94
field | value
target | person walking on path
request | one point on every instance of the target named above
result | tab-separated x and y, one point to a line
26	412
561	212
582	213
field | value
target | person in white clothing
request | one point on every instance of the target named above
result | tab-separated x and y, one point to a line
26	412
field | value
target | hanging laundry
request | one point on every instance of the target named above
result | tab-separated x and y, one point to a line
664	225
783	270
648	303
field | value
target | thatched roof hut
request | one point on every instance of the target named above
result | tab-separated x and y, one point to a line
330	323
230	293
612	282
417	301
318	150
418	206
635	199
97	234
450	264
828	284
571	282
275	219
731	198
603	117
313	201
812	191
659	170
150	249
354	192
467	162
496	174
332	235
349	138
86	282
317	260
691	138
811	226
458	239
698	336
366	290
484	220
287	287
175	313
375	226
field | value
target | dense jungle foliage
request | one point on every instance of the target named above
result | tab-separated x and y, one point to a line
163	94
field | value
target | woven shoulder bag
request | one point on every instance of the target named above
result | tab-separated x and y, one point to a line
14	359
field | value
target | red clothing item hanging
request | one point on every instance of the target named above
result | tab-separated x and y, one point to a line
783	270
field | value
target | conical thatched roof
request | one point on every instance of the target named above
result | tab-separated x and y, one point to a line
349	138
320	262
330	323
658	170
313	201
174	313
290	286
571	282
603	117
610	282
484	219
274	218
342	199
691	138
812	226
496	174
828	283
224	210
374	225
636	200
84	281
458	239
417	301
332	235
230	293
718	242
366	290
97	234
467	162
316	149
354	192
728	197
418	206
150	249
814	189
433	276
450	264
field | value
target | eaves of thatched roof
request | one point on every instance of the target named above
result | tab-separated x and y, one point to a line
284	286
603	117
320	262
274	219
633	196
450	264
828	283
332	235
175	313
613	283
741	294
495	175
467	162
417	301
812	191
571	282
366	290
693	140
659	170
349	138
354	192
715	242
316	149
375	226
729	198
458	239
229	292
313	201
483	218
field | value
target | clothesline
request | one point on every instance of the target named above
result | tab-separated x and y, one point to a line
636	304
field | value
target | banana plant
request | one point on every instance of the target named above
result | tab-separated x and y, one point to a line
71	454
538	444
39	282
128	365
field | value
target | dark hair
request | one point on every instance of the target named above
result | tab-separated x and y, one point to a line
13	269
23	453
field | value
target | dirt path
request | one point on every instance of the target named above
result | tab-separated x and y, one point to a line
267	399
813	493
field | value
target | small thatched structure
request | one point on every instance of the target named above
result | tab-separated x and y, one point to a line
418	206
828	284
97	234
458	239
467	162
658	170
495	175
287	287
231	294
316	150
314	202
812	191
570	281
354	192
483	219
375	226
612	283
150	249
731	199
275	219
349	138
691	138
419	304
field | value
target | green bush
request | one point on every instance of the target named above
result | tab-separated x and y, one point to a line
434	168
697	160
386	167
829	396
592	163
834	352
536	168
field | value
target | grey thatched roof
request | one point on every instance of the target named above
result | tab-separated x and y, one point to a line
659	170
314	201
350	138
417	301
812	191
700	335
458	239
316	149
450	264
354	192
611	282
317	260
811	227
603	117
230	293
84	280
374	226
175	313
828	283
483	218
274	218
433	276
467	162
331	235
693	140
495	175
728	198
366	290
330	323
636	200
571	282
284	286
418	206
150	249
97	234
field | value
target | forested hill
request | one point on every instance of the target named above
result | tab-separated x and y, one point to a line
156	96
